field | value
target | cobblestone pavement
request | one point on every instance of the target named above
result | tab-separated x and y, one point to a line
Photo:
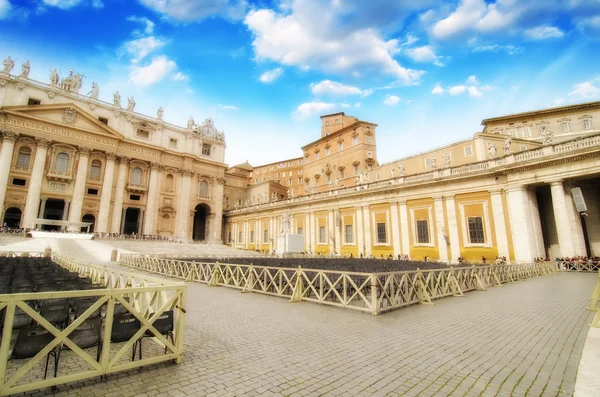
525	338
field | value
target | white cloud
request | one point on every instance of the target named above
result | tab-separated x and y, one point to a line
5	8
328	87
437	89
196	10
543	33
299	39
148	24
345	105
270	75
424	54
472	87
472	80
391	100
228	107
64	4
309	109
509	49
585	90
457	90
591	23
474	91
466	15
559	101
138	49
152	73
180	77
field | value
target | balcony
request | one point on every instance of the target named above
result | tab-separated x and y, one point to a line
59	176
136	188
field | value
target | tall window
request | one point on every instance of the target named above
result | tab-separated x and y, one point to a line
300	230
169	182
341	174
356	170
341	146
526	131
206	149
317	156
422	232
62	162
381	234
348	234
586	124
355	140
203	188
327	151
239	237
476	235
252	236
95	169
565	126
136	176
322	235
24	158
266	236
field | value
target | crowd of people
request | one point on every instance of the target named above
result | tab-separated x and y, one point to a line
135	236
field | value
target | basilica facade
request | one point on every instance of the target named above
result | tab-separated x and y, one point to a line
69	160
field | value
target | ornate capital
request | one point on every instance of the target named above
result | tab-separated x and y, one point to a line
155	166
187	172
42	142
51	94
10	136
84	151
111	156
20	86
123	159
221	181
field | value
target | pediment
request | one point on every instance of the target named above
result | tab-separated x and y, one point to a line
65	115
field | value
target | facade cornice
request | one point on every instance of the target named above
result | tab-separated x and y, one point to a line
580	106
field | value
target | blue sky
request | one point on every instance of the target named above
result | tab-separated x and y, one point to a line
426	71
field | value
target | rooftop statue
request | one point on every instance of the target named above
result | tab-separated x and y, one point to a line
130	104
95	91
117	99
507	146
159	113
191	123
25	68
9	64
54	77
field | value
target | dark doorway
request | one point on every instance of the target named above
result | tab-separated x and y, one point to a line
54	210
12	218
91	219
200	217
132	221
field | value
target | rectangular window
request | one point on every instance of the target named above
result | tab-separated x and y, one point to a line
341	146
341	174
18	182
586	124
299	181
103	120
93	192
33	101
322	235
526	132
565	126
381	234
327	151
428	162
356	170
23	160
135	197
239	237
523	147
468	151
378	176
476	235
369	139
290	182
355	140
422	232
252	236
317	156
145	134
172	142
300	231
266	236
206	149
348	234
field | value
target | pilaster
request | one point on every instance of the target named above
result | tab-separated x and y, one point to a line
6	155
440	228
499	223
118	215
107	185
79	189
35	183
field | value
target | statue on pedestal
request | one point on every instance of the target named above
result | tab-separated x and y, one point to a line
9	64
492	151
95	91
191	123
130	104
286	224
54	77
25	68
159	113
507	146
117	99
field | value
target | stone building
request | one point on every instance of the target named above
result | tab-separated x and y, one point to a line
68	158
509	191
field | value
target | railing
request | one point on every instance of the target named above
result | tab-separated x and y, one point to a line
146	298
469	168
529	155
373	293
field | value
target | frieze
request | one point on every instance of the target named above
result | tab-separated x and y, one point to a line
57	187
59	132
172	159
17	198
139	150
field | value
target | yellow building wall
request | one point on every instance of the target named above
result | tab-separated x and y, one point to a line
264	225
321	220
381	214
415	213
252	243
474	205
347	217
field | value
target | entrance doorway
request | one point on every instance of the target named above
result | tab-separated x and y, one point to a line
55	211
12	218
132	221
200	222
91	219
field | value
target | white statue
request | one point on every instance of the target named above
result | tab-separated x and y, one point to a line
54	78
357	180
130	104
220	136
433	163
286	224
447	160
365	177
95	91
547	135
77	82
507	146
330	185
191	123
400	169
9	64
391	171
159	113
492	150
25	69
274	196
117	99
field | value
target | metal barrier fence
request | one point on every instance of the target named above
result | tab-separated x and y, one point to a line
373	293
146	298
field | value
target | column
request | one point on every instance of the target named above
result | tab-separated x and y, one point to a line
331	232
118	215
152	200
42	208
404	228
271	244
217	223
367	226
107	184
440	228
561	217
538	235
520	224
576	228
337	221
79	189
499	223
66	208
35	183
395	230
121	217
6	155
307	234
313	234
360	241
183	212
452	229
246	234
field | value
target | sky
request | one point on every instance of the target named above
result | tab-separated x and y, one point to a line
427	72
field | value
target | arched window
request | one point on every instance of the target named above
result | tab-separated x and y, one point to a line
62	162
166	222
169	183
24	158
136	176
203	188
95	169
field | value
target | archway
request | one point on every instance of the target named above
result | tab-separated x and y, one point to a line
12	218
91	219
200	222
132	221
54	210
